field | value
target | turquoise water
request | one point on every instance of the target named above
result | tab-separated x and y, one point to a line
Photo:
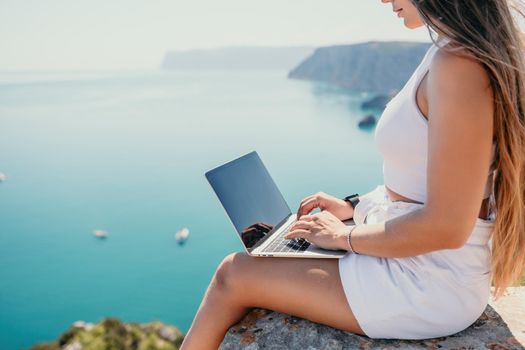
126	152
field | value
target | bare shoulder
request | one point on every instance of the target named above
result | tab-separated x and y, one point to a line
460	73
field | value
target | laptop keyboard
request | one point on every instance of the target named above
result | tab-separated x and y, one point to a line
282	245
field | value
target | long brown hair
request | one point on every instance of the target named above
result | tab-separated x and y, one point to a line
488	32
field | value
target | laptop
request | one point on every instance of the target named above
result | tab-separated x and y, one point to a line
258	211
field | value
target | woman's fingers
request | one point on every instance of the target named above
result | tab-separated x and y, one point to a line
306	218
305	199
304	222
307	206
298	233
303	225
300	211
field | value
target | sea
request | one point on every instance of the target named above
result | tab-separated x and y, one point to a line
125	152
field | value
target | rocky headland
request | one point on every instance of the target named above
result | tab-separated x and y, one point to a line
501	327
379	67
112	334
284	58
382	67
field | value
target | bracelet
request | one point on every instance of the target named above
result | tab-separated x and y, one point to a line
351	249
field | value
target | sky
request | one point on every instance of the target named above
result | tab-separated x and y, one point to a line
135	34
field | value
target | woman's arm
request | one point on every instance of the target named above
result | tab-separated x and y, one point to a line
337	206
459	148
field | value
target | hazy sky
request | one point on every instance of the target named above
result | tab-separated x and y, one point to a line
129	34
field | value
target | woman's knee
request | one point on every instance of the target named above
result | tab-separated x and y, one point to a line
229	274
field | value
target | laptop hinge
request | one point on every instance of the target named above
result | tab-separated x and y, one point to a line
265	238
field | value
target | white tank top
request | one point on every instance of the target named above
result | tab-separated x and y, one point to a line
401	136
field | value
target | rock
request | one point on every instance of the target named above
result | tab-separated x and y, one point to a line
370	66
169	334
111	333
378	102
367	121
87	326
79	324
501	326
73	346
237	58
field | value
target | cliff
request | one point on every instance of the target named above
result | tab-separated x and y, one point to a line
382	67
112	334
501	326
283	58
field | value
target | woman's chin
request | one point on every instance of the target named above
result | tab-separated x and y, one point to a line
411	24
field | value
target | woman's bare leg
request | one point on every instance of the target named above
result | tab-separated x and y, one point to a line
307	288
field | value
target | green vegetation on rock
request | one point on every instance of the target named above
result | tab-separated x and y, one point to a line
112	334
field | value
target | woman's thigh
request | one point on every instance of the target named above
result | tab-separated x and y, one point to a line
307	288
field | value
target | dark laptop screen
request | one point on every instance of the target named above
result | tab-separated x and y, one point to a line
248	193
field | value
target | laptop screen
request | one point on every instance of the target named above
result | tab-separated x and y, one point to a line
250	197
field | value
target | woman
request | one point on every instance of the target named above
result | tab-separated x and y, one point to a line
420	261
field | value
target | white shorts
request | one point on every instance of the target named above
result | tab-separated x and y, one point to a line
430	295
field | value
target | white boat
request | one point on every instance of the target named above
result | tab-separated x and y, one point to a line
182	235
100	233
3	177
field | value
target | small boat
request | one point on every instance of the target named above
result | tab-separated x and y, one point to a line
182	235
3	177
100	234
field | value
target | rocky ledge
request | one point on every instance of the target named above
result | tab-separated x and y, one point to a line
113	334
501	326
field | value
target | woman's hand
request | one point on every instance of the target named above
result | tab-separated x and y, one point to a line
338	207
322	229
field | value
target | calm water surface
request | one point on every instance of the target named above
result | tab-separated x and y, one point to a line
126	152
